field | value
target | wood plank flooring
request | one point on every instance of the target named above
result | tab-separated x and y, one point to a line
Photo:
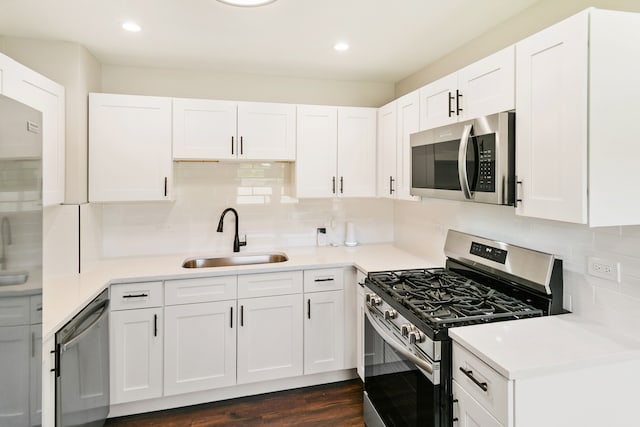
338	404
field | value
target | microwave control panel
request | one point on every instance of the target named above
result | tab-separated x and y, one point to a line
487	167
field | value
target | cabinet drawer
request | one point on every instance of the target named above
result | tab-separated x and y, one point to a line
14	311
469	412
495	399
325	279
36	309
206	289
269	284
136	295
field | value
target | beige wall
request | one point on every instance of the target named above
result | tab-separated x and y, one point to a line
533	19
242	87
74	67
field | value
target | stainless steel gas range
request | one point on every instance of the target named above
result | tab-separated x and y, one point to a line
408	314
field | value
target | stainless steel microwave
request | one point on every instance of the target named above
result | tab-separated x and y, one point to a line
472	160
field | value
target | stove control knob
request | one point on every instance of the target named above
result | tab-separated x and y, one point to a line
373	300
416	337
390	314
406	329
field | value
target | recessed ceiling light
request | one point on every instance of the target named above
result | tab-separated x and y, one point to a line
341	46
247	3
131	26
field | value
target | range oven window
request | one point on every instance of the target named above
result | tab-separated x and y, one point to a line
400	392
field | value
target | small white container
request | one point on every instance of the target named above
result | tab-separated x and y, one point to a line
350	235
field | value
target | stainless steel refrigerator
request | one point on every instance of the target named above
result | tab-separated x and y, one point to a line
20	264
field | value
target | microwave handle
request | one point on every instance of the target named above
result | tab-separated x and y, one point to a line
462	161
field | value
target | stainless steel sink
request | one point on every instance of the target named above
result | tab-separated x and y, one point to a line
232	260
9	279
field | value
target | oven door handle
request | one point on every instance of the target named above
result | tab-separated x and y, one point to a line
462	161
422	364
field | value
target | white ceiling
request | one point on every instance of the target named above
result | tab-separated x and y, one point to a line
390	39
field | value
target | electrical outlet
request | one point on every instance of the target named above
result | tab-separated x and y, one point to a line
603	268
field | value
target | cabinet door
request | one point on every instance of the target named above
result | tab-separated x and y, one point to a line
136	354
204	129
129	148
469	412
14	375
35	90
35	378
438	102
360	331
387	173
488	86
266	131
200	347
316	162
269	338
551	122
357	152
324	332
408	121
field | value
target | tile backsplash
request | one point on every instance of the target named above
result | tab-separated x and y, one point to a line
421	227
264	196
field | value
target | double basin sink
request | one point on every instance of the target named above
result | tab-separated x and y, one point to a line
235	260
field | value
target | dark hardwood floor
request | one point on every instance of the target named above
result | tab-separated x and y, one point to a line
338	404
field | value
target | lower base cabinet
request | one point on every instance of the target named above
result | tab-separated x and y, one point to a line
360	324
136	354
324	332
200	347
468	412
269	338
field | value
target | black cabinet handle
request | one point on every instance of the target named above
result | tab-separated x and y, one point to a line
309	308
165	186
341	185
231	316
232	146
469	374
334	185
143	295
450	99
241	146
326	279
242	315
458	108
155	325
391	190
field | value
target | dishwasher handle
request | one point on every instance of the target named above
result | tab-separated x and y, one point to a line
77	336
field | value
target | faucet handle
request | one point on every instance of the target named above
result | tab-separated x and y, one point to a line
244	242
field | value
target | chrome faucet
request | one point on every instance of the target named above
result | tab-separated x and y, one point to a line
236	241
5	236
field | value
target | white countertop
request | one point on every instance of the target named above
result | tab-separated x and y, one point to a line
538	346
65	296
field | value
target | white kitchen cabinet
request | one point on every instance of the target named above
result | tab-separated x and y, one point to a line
15	346
479	89
336	152
408	122
35	375
269	338
578	93
324	320
387	151
204	129
468	412
48	97
200	347
129	148
136	338
224	130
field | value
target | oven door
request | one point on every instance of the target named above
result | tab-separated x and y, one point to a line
400	389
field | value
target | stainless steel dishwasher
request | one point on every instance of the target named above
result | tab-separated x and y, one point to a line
82	367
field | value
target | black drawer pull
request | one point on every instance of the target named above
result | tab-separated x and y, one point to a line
469	374
309	308
326	279
155	325
143	295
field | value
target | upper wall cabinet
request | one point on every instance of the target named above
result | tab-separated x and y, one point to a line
578	97
336	151
482	88
396	122
35	90
129	148
225	130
